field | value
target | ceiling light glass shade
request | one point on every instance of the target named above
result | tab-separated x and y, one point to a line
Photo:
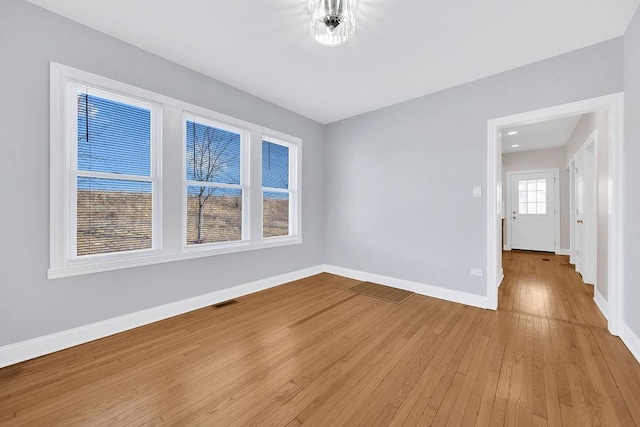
333	22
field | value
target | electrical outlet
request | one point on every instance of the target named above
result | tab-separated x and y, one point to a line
477	272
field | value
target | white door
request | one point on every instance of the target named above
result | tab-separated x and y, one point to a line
585	227
533	211
579	218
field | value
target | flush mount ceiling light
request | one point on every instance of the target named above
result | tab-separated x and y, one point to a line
515	132
333	22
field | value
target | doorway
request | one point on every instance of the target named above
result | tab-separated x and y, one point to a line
532	217
496	210
584	196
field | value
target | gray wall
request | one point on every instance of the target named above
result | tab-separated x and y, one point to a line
586	126
32	306
398	188
632	175
542	159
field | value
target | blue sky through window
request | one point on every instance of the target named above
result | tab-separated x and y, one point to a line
213	155
114	138
275	168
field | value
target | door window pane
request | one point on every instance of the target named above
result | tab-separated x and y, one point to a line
532	197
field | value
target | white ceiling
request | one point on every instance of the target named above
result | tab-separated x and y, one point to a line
536	136
401	50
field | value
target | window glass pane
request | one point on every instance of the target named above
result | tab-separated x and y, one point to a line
275	165
542	196
523	208
532	196
523	197
531	185
213	155
522	185
542	184
113	216
214	214
542	208
532	208
113	137
275	208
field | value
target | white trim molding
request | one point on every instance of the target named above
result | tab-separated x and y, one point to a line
614	105
450	295
631	340
602	303
36	347
564	252
40	346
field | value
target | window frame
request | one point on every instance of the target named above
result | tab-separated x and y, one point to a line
169	187
244	187
292	190
73	89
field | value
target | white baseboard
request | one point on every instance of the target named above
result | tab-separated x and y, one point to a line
602	303
506	248
419	288
36	347
631	340
564	252
500	277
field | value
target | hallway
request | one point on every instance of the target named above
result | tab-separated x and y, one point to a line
547	286
578	372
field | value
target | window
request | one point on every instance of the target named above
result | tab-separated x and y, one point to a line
112	174
277	195
138	178
532	197
214	182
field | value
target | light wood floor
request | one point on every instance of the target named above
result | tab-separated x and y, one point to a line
312	353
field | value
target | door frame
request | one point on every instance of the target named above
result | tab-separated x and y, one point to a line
571	164
556	216
614	104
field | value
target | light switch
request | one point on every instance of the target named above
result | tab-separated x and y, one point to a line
477	191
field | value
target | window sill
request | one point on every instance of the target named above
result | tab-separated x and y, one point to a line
188	253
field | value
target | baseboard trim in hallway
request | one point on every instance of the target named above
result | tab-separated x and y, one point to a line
602	303
631	340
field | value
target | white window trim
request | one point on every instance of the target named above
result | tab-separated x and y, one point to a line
245	138
293	191
170	189
154	177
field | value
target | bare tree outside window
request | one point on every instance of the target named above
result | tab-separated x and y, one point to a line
213	158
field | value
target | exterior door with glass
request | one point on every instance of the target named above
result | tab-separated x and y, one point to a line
533	211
